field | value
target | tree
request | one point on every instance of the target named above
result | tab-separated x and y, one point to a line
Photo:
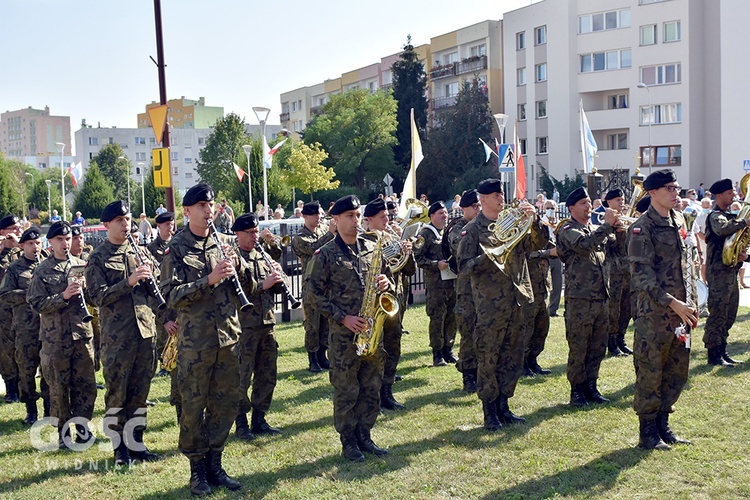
306	172
564	187
223	147
154	195
95	193
41	199
115	171
357	129
409	89
12	177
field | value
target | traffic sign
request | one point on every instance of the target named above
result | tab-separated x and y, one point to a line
746	165
160	160
158	117
387	179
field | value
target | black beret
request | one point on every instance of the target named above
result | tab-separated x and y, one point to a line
245	221
717	187
643	204
469	198
391	205
7	221
164	217
114	209
133	226
489	186
311	208
344	204
76	230
32	233
611	195
438	205
199	192
577	195
59	228
374	207
660	177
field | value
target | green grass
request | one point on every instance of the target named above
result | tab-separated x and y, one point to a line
438	447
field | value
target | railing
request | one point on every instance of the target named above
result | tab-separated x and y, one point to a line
284	117
443	102
443	71
471	65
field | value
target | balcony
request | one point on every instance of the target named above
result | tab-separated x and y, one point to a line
315	110
471	65
442	102
443	71
386	86
284	117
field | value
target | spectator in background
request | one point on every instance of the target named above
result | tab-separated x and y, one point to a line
556	196
54	217
161	209
540	199
78	220
297	213
144	228
259	209
279	209
229	212
221	220
701	191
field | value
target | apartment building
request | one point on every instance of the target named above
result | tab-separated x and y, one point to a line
185	113
31	136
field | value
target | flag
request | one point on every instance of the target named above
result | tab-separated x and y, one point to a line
237	170
588	143
76	171
269	152
487	150
520	170
410	187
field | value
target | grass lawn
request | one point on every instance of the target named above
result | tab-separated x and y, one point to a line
438	447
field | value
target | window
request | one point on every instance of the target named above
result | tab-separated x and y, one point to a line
294	127
188	159
451	89
140	157
648	34
541	109
521	76
188	175
604	61
522	111
601	21
152	141
175	156
478	50
522	143
140	141
450	58
372	86
294	106
662	113
93	141
672	32
617	141
201	141
619	101
299	104
540	71
541	145
540	35
664	156
661	75
520	40
175	171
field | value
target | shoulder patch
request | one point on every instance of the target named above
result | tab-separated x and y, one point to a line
567	226
463	233
636	230
317	251
166	252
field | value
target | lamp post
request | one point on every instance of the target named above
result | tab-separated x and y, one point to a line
247	148
60	149
127	167
49	198
143	189
262	115
642	85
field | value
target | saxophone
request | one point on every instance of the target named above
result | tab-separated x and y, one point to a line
376	306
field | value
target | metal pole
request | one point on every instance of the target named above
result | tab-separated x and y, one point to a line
161	65
248	149
650	119
62	178
265	174
49	199
143	194
127	165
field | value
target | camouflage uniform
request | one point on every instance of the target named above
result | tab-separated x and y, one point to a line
393	328
128	330
208	370
619	291
466	315
657	262
157	248
440	294
8	365
723	286
581	248
305	243
67	355
537	317
337	277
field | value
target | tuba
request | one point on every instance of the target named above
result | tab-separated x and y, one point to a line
394	252
511	226
739	241
416	212
376	306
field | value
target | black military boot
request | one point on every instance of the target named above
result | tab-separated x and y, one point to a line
649	436
577	395
437	358
31	413
314	365
350	450
198	480
470	381
614	349
62	433
241	429
45	407
527	371
534	365
122	455
592	393
726	356
491	422
259	424
138	449
365	443
323	359
715	358
665	432
504	414
83	434
11	391
387	401
215	473
448	355
622	345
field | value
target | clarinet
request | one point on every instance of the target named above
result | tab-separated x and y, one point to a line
293	301
87	317
153	290
244	303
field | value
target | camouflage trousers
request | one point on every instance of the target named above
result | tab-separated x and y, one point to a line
403	291
174	389
440	303
161	341
537	324
500	351
466	318
619	303
209	383
356	383
27	350
316	328
392	345
257	351
661	364
723	301
586	323
556	272
8	366
68	368
128	367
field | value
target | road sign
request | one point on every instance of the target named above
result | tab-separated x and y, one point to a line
746	165
160	160
507	163
387	179
158	117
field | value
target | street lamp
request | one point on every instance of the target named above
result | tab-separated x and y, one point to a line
49	198
262	115
61	148
642	85
247	148
143	189
127	166
23	195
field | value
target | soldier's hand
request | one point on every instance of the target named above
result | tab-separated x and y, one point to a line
73	289
272	279
264	234
442	265
231	254
355	323
332	226
407	246
527	207
687	313
170	327
12	237
610	216
382	281
742	256
224	269
140	272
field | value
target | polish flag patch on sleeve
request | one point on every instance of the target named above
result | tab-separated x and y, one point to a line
636	230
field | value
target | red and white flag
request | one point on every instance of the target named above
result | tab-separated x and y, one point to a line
76	171
237	170
268	153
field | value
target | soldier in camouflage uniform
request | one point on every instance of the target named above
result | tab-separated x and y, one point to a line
580	245
311	237
10	232
723	286
466	316
67	355
116	285
338	274
499	299
666	295
440	294
197	282
13	290
78	248
165	324
537	313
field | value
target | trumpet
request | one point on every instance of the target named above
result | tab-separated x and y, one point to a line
87	317
244	303
280	241
153	290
